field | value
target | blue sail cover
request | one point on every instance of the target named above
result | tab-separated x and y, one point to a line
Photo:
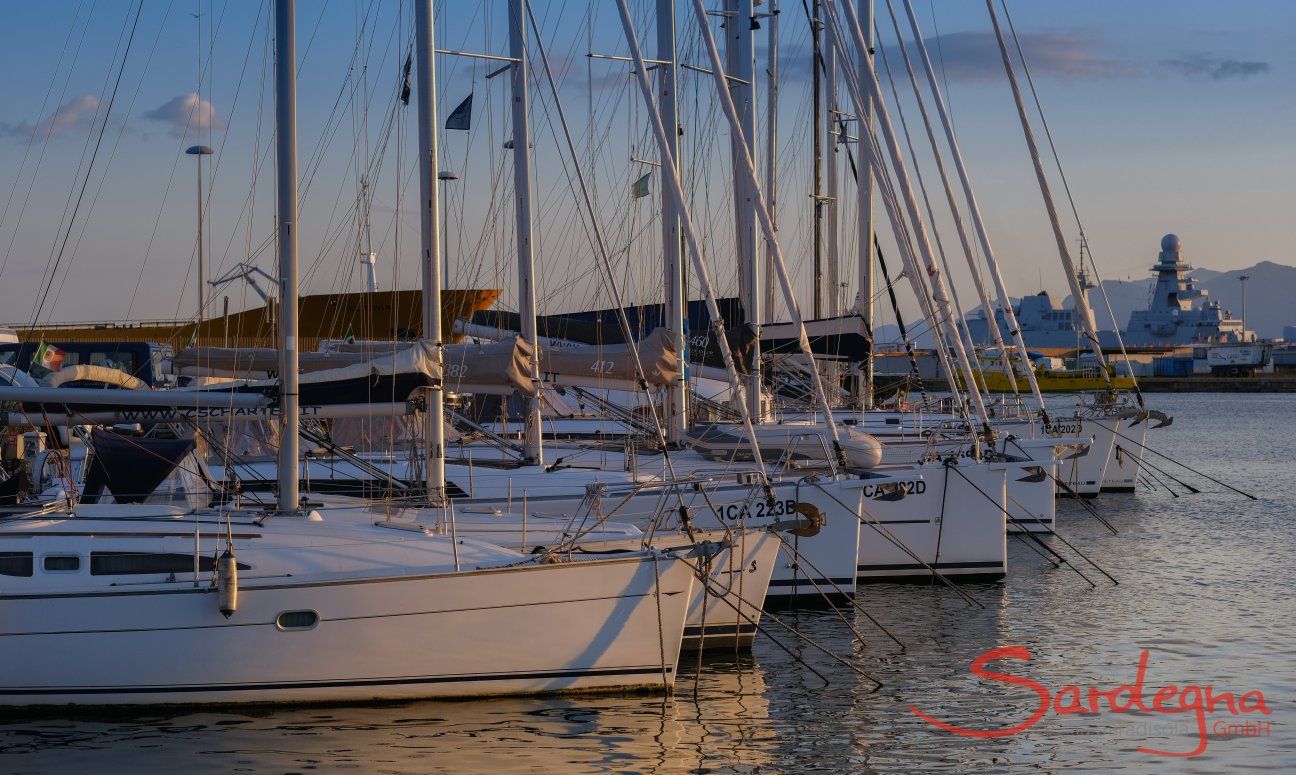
130	467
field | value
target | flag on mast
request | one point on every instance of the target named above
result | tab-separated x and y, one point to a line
639	189
48	356
461	117
407	78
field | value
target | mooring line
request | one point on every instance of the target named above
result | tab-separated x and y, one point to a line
1028	534
1164	473
853	598
1186	466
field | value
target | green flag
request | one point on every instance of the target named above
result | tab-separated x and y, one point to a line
640	188
350	333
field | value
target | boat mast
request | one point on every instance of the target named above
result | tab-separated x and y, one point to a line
672	255
870	91
1082	307
771	143
532	450
864	205
964	242
741	67
746	165
816	131
430	237
694	253
974	211
286	185
832	186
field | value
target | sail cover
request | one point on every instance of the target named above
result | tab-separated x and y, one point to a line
130	467
845	337
612	366
391	378
260	362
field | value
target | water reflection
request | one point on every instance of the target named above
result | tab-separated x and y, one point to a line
725	725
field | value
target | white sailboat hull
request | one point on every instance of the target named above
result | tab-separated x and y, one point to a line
945	521
574	627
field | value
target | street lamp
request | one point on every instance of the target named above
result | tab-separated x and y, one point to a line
1243	279
445	176
200	151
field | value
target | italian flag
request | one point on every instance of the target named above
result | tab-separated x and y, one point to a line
49	356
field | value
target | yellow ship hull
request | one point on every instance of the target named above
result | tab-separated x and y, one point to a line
1056	382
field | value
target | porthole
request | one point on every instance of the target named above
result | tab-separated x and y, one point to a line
61	563
297	620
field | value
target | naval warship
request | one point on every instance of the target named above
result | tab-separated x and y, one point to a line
1169	319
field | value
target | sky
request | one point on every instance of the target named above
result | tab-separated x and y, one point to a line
1168	115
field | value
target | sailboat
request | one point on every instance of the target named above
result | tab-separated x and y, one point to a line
131	603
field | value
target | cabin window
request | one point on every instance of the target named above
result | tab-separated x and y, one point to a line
138	563
15	563
297	620
62	563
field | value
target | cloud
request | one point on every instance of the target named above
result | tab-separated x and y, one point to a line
76	114
1202	65
186	114
974	56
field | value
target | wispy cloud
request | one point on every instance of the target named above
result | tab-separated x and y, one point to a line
1060	54
76	114
186	114
1205	66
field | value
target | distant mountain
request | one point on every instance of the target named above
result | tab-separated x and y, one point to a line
1270	293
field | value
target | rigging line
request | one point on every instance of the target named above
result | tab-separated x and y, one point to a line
112	154
940	55
103	126
1066	187
85	148
36	126
960	325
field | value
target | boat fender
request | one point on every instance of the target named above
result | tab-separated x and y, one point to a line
227	583
813	523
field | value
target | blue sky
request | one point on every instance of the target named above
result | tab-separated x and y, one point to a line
1169	115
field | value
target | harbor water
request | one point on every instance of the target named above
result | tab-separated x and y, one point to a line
1204	588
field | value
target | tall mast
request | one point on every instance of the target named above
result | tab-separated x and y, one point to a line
974	211
832	185
747	167
1082	307
430	241
964	242
870	92
676	189
742	68
286	184
672	255
816	131
522	197
771	143
864	212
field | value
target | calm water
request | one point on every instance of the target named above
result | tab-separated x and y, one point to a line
1205	586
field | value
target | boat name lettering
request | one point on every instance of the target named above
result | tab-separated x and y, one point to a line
757	510
915	487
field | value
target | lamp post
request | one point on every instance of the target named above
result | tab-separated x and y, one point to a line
1243	279
200	151
445	176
